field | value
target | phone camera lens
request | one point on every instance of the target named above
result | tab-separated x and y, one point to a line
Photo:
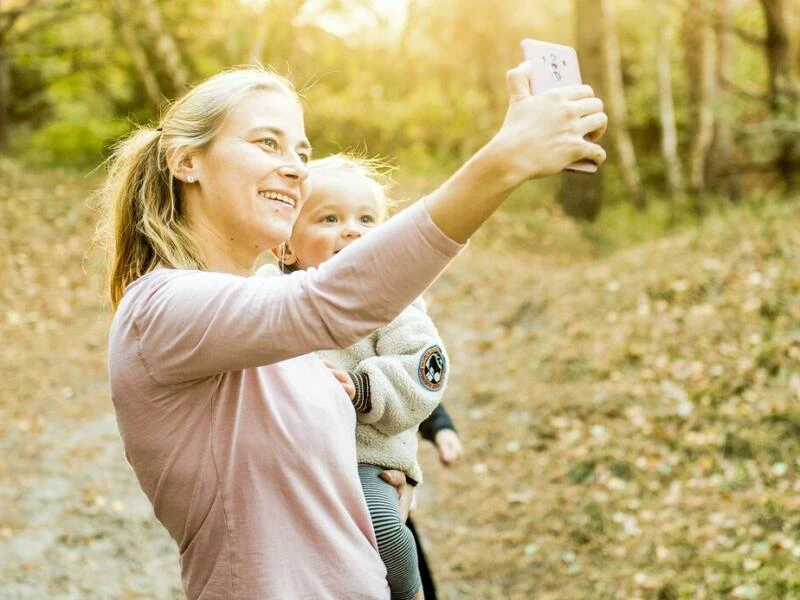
556	75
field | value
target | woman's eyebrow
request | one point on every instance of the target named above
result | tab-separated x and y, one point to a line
304	143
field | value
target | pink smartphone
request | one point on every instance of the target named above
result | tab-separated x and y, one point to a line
555	65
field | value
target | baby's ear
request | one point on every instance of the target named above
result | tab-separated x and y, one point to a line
284	254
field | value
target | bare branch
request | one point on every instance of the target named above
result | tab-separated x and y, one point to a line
746	93
770	127
748	37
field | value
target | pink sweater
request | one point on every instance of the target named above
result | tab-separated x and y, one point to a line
242	440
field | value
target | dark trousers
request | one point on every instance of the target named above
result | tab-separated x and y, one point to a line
424	571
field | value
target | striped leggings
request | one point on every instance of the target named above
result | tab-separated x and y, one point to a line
395	541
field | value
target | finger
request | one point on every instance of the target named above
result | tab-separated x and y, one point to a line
518	81
445	457
574	92
593	152
328	363
588	106
340	376
394	478
594	126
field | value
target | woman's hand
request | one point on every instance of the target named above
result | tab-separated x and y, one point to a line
405	492
449	446
342	377
542	134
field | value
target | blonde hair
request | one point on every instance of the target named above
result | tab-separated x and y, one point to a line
144	224
376	172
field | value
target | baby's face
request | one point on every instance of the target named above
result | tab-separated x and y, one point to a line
340	209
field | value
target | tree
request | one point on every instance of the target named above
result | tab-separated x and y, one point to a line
783	92
669	133
617	109
20	22
580	195
724	174
701	57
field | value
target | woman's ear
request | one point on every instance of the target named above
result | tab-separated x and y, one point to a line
184	167
284	255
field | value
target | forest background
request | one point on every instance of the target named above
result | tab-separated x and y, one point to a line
628	401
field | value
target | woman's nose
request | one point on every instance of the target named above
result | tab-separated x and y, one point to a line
294	169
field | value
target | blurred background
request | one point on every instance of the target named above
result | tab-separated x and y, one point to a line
625	346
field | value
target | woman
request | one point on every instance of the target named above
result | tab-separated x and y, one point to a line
239	435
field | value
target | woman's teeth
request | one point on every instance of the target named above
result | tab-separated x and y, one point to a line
277	196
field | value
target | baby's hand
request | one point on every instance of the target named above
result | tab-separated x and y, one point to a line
449	446
342	377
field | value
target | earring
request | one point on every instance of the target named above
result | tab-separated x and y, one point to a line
190	179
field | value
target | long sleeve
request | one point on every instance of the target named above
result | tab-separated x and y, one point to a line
439	419
408	374
193	324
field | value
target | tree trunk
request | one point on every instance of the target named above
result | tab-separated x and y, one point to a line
618	111
5	103
581	195
138	56
669	135
701	65
724	176
166	49
274	32
782	88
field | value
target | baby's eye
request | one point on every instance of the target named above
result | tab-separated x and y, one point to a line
367	219
330	219
304	157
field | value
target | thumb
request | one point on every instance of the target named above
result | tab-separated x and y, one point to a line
519	81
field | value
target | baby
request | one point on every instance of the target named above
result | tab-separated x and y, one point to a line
394	377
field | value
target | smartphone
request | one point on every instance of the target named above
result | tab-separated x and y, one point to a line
555	65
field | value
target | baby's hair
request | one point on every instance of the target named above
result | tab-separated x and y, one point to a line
375	170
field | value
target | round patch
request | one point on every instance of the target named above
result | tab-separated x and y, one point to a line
431	369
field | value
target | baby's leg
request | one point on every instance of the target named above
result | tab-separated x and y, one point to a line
395	542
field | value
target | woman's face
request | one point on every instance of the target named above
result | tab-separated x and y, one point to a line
251	180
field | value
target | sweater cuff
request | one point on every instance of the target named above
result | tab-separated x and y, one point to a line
363	398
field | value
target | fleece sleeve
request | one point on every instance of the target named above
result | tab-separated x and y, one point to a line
407	377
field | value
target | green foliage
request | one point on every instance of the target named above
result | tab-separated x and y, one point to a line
424	87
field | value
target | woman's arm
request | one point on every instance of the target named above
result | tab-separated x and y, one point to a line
193	324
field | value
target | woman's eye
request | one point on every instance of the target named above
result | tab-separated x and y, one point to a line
269	143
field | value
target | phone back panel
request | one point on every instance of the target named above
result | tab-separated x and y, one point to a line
554	65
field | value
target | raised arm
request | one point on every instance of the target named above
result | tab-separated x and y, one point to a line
192	324
397	389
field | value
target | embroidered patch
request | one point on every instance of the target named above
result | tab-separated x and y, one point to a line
431	369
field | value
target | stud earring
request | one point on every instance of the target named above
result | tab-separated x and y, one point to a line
190	179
